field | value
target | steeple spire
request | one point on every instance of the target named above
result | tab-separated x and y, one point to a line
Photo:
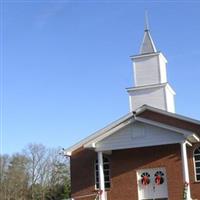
147	45
146	25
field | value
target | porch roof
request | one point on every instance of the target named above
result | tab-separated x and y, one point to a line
190	128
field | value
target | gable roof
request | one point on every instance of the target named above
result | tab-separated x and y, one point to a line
181	124
98	133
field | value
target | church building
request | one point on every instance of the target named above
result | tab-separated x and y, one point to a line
151	153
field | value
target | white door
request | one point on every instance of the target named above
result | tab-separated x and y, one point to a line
152	184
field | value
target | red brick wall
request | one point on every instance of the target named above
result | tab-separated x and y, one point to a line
82	173
124	164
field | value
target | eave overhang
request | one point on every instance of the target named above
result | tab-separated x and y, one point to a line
98	134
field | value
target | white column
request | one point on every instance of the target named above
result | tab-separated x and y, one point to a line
186	178
101	176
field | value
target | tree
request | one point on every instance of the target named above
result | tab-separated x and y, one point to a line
60	182
4	162
48	172
15	178
38	173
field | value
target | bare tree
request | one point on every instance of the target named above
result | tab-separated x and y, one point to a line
36	154
59	183
39	173
45	170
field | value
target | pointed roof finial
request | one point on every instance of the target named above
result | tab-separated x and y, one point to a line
147	45
146	26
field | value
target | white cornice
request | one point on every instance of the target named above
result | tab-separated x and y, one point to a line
146	87
149	55
170	89
91	144
144	55
97	134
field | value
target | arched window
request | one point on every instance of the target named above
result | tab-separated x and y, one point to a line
197	163
106	167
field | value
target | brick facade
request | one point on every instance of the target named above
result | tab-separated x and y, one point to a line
82	172
123	165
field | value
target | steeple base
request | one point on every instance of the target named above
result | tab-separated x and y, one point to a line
158	95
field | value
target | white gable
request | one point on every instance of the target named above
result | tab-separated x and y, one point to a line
138	134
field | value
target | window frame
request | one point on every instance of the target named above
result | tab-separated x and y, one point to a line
96	169
196	161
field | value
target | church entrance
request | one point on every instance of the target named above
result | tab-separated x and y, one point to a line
152	184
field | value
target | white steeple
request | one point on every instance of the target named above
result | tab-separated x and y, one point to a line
150	78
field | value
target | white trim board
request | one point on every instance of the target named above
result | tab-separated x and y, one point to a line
68	151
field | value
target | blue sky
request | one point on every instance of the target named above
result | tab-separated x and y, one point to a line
66	64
